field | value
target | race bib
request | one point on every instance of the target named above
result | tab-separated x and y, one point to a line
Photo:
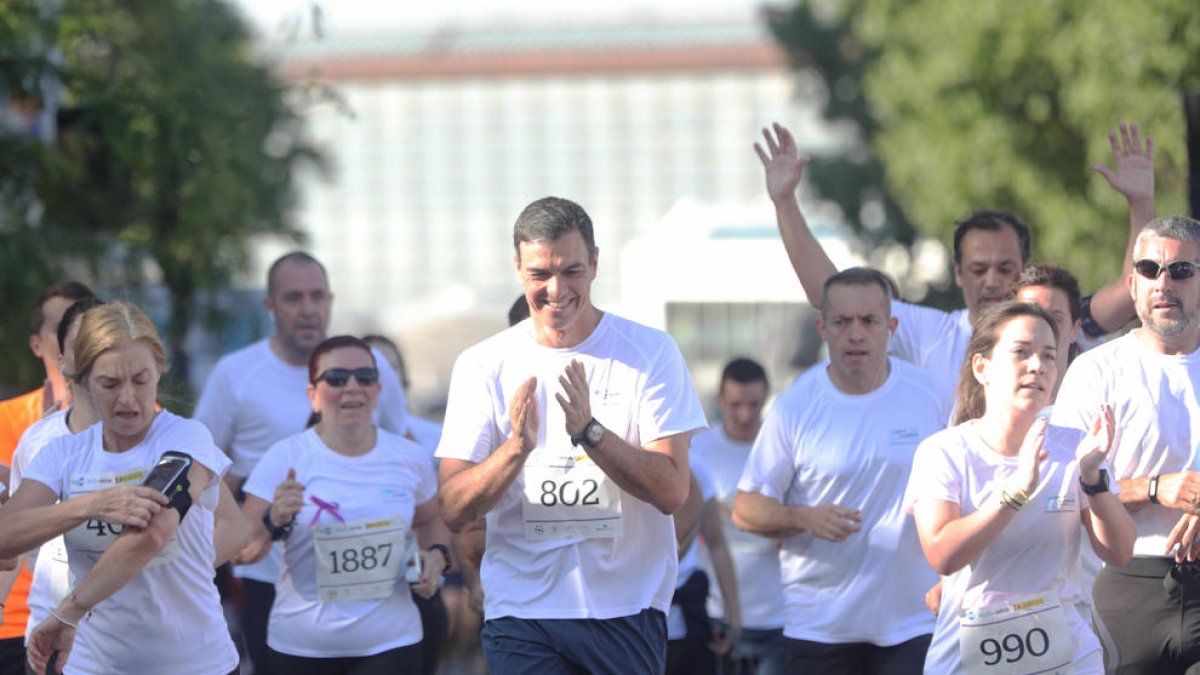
359	561
1024	636
92	538
573	499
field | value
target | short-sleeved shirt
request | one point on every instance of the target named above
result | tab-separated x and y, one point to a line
169	613
253	398
389	481
934	340
641	391
819	445
1036	552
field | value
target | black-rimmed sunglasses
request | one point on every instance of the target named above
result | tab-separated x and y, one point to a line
1178	270
338	377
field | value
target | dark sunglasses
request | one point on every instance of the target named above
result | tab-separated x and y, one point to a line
1178	270
338	377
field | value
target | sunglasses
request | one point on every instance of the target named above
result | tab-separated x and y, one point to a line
338	377
1178	270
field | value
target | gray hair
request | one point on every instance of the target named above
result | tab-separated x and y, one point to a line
1180	228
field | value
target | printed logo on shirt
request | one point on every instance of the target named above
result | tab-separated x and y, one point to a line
1057	503
904	435
392	495
607	396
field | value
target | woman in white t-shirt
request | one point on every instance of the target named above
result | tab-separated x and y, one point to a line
998	500
354	504
142	565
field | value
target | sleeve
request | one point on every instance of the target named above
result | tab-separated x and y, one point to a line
1079	396
906	341
934	476
771	467
270	471
49	467
469	431
393	403
194	438
669	403
216	407
427	484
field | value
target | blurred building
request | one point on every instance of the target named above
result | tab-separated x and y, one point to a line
438	139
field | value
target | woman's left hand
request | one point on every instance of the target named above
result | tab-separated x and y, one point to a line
51	635
1093	450
432	564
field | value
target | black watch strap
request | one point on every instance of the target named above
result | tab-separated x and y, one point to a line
277	532
445	554
1152	489
1092	490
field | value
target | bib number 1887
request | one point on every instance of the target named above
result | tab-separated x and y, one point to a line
350	560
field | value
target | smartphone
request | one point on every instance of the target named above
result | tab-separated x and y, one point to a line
412	569
165	476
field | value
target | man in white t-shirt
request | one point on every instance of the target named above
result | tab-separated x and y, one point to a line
990	248
723	450
1149	377
570	431
256	396
827	475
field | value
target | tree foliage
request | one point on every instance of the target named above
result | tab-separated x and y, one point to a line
176	148
1007	105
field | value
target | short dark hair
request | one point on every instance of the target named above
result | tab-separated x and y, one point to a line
992	221
377	340
296	257
519	310
861	276
743	371
70	290
328	345
77	309
1051	276
549	218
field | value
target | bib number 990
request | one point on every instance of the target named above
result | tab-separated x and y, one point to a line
1013	647
350	560
567	493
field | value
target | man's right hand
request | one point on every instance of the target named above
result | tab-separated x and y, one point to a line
523	414
830	521
782	164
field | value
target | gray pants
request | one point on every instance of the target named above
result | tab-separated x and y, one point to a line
1148	617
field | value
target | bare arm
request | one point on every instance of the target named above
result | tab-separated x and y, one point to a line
468	490
34	516
1112	306
430	530
687	518
718	550
950	540
784	167
287	502
230	530
764	516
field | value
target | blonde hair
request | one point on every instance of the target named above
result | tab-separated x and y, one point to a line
110	326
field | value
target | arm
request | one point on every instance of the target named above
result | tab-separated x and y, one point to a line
784	167
1112	306
1109	526
123	560
467	490
722	561
764	516
288	500
230	530
687	518
657	473
468	547
34	516
430	530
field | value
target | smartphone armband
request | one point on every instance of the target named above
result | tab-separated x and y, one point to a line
170	477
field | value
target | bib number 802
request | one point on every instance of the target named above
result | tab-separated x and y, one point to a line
368	557
567	494
1013	647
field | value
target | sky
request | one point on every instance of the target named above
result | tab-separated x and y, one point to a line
273	16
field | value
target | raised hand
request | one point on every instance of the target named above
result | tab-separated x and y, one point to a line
1029	458
132	505
1093	449
576	404
782	164
523	414
1134	175
831	522
289	499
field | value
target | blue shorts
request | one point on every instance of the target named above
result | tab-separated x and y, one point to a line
628	644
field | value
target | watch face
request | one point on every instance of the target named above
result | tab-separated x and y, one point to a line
594	433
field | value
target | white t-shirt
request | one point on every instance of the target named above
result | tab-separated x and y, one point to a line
427	433
1036	552
253	399
169	613
819	446
1154	398
51	575
755	558
389	481
641	391
934	340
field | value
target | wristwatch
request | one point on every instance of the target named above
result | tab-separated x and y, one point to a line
593	433
277	533
1096	489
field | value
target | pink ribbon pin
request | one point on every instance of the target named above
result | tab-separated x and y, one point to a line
322	507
